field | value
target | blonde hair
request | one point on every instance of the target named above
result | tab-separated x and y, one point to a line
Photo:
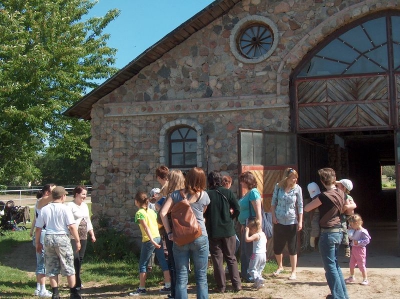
254	223
288	171
176	181
356	218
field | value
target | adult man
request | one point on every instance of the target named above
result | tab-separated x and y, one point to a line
59	255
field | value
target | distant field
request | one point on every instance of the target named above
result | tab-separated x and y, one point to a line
28	200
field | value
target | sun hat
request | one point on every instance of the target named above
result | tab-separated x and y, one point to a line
346	183
313	189
154	191
58	192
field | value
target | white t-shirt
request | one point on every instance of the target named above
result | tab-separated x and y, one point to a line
260	246
57	217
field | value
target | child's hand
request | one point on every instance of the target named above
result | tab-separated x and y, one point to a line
246	229
355	242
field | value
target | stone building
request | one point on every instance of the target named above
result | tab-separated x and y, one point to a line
254	85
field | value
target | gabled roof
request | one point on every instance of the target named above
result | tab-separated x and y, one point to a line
213	11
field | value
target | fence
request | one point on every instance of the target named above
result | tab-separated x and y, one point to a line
27	197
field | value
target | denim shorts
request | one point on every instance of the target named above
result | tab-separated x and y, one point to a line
40	260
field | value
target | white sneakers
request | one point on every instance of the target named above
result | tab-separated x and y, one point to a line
44	294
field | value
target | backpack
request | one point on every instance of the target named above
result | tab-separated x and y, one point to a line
186	229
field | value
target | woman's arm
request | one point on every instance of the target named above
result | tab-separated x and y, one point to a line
164	218
300	209
257	208
148	233
315	203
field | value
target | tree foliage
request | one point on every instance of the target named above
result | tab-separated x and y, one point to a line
49	57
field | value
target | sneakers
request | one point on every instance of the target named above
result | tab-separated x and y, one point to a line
55	296
351	279
165	290
45	294
365	282
75	296
347	252
138	292
259	283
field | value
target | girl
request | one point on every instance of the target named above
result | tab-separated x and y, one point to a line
287	216
195	184
151	241
360	238
258	259
44	198
80	210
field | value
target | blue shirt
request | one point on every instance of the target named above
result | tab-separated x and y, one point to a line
285	204
252	195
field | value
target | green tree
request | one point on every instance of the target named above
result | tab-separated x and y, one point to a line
49	57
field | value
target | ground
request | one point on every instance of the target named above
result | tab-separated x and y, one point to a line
383	268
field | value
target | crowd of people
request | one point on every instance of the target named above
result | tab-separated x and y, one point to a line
196	217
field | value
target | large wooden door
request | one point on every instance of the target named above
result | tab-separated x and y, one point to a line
267	155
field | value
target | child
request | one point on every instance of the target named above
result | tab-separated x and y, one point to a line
258	259
59	255
346	186
153	198
151	240
314	191
360	239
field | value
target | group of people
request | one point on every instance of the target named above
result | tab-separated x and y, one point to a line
60	231
60	234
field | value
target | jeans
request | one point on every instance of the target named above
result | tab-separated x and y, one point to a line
147	250
328	247
198	250
78	259
246	250
171	263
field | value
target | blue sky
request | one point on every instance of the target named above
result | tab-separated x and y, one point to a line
142	23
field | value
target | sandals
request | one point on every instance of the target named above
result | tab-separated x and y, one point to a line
292	276
278	272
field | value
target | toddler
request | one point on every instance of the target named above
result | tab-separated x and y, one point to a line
151	242
314	191
360	238
346	186
258	259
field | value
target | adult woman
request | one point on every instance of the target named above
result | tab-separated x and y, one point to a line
162	178
195	184
250	205
44	198
176	181
331	204
81	214
221	231
287	216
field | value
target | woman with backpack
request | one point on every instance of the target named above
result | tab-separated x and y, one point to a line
190	239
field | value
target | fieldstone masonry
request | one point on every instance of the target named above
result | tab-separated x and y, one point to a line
200	83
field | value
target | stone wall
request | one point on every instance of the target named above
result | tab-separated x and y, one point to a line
201	82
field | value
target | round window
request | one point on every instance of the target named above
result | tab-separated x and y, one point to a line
254	39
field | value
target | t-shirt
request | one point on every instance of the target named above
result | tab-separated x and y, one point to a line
57	217
197	207
328	210
287	204
150	218
253	194
260	245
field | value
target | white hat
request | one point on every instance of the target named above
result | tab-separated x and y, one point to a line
346	183
313	189
154	191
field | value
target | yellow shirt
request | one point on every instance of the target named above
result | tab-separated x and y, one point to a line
150	217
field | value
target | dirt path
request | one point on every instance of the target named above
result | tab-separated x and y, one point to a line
383	266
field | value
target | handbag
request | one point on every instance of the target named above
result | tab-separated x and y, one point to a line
266	224
185	228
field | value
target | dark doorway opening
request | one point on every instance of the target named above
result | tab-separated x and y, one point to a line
359	157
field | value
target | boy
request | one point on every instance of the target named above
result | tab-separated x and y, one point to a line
59	255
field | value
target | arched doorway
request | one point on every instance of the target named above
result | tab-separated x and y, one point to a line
345	97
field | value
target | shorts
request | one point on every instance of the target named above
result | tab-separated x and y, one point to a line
59	256
40	261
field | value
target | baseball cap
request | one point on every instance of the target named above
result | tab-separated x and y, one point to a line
154	191
346	183
58	192
313	189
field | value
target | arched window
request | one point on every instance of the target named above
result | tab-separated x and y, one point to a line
370	47
183	147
